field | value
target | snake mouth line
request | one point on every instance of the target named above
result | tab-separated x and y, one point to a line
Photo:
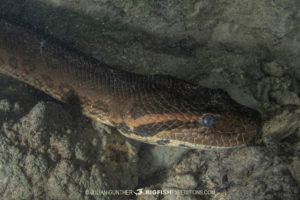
165	141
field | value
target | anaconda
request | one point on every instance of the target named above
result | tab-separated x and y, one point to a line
156	109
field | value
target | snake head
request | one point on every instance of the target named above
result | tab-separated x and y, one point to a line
195	118
214	130
215	123
227	129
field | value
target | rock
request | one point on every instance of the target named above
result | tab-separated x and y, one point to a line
272	69
4	105
285	97
45	154
282	125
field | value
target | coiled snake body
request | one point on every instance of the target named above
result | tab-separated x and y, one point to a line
154	109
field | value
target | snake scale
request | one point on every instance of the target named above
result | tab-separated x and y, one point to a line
156	109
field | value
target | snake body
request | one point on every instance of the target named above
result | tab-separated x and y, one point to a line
156	109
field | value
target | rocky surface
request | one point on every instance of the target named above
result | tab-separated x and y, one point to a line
248	48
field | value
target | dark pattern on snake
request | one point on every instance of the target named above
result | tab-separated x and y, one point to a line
157	109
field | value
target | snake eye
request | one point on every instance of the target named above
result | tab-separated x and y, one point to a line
208	120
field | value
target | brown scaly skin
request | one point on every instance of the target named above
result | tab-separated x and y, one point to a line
154	109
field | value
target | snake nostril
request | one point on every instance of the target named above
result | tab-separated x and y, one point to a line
208	120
